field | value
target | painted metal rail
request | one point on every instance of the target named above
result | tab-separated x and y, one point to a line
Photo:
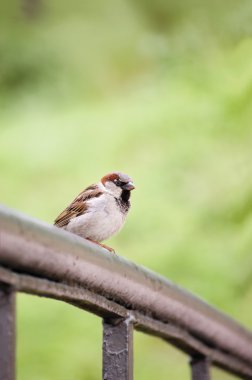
40	259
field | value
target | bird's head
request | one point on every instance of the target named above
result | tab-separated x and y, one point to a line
118	184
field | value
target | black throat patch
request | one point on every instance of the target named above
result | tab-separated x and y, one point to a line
123	202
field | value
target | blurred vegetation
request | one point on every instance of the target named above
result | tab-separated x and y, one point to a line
161	90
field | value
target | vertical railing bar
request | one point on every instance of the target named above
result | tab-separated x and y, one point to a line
7	333
200	367
118	349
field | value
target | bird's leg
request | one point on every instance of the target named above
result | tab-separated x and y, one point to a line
107	247
102	245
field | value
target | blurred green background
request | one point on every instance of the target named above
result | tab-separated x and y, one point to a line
161	90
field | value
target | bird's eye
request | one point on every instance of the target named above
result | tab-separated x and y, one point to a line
117	182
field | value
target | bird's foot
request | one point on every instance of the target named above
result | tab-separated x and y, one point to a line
102	245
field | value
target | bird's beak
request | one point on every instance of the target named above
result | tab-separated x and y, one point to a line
128	186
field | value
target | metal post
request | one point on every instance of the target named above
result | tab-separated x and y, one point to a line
7	333
200	368
118	349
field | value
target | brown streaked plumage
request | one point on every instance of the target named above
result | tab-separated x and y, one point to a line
78	206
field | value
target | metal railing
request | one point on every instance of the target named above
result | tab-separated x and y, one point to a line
38	258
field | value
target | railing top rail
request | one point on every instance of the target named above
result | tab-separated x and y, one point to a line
30	247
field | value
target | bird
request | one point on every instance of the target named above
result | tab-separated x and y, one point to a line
100	210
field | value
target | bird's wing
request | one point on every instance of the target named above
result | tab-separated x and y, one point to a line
78	207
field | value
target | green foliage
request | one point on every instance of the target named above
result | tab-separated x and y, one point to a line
162	91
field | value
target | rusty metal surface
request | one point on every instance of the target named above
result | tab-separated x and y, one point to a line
7	332
200	368
31	247
117	349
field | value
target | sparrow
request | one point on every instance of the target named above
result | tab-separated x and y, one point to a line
99	211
